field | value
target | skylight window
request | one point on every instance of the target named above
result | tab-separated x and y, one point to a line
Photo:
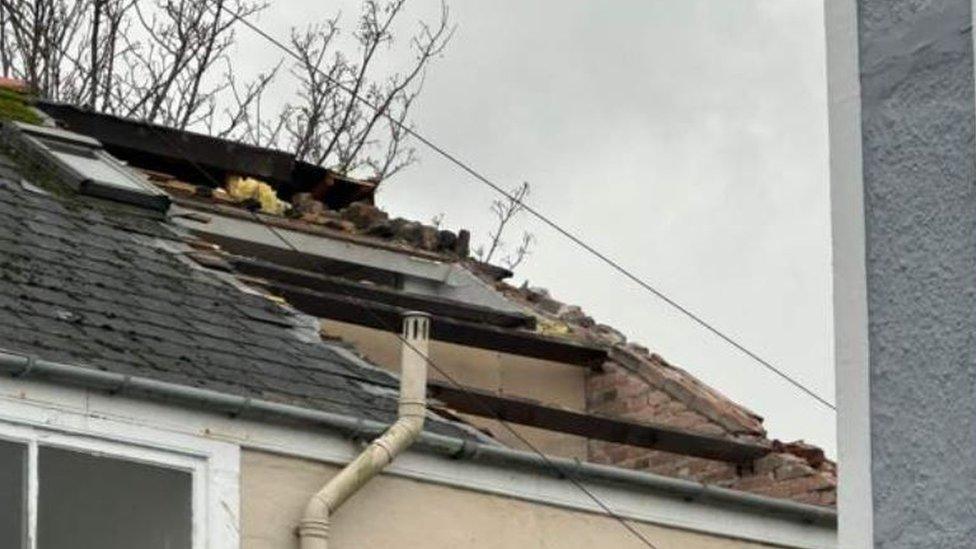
82	162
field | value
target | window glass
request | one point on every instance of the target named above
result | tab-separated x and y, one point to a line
13	490
94	501
91	166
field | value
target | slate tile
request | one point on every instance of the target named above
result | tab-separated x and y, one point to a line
142	309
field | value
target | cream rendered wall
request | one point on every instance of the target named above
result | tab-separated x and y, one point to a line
403	513
549	382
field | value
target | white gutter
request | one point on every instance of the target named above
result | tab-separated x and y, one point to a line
314	526
24	365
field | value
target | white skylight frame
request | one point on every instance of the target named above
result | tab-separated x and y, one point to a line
83	163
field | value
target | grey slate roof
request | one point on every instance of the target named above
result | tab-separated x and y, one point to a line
108	286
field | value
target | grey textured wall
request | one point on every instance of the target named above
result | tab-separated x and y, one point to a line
918	160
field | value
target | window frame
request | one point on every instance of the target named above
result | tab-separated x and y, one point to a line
35	437
41	144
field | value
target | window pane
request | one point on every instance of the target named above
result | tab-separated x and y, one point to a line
13	495
90	165
108	503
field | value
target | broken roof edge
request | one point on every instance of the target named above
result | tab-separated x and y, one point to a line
571	322
140	138
738	422
275	164
281	222
736	418
22	365
185	158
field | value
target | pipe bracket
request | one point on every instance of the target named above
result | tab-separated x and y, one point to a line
243	408
126	380
31	362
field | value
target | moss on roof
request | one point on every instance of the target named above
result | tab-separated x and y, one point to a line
14	106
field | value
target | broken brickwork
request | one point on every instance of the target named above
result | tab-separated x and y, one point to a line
635	384
638	385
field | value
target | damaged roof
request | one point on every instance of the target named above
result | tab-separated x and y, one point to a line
185	153
627	382
108	286
639	384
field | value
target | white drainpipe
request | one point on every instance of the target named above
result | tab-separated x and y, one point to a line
314	527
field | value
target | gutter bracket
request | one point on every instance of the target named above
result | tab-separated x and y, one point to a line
31	362
358	434
126	380
465	451
244	407
699	494
570	473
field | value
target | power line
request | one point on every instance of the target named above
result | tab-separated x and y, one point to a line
473	398
552	465
614	264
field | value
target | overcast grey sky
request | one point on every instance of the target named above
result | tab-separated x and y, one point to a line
686	138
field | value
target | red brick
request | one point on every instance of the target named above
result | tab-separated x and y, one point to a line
791	470
657	398
668	395
755	482
787	488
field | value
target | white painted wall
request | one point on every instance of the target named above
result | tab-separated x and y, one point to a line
218	440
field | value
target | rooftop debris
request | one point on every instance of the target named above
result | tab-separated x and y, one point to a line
639	385
690	404
244	189
630	383
358	218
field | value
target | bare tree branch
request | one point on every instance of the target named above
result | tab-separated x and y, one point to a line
327	125
169	62
504	212
521	252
